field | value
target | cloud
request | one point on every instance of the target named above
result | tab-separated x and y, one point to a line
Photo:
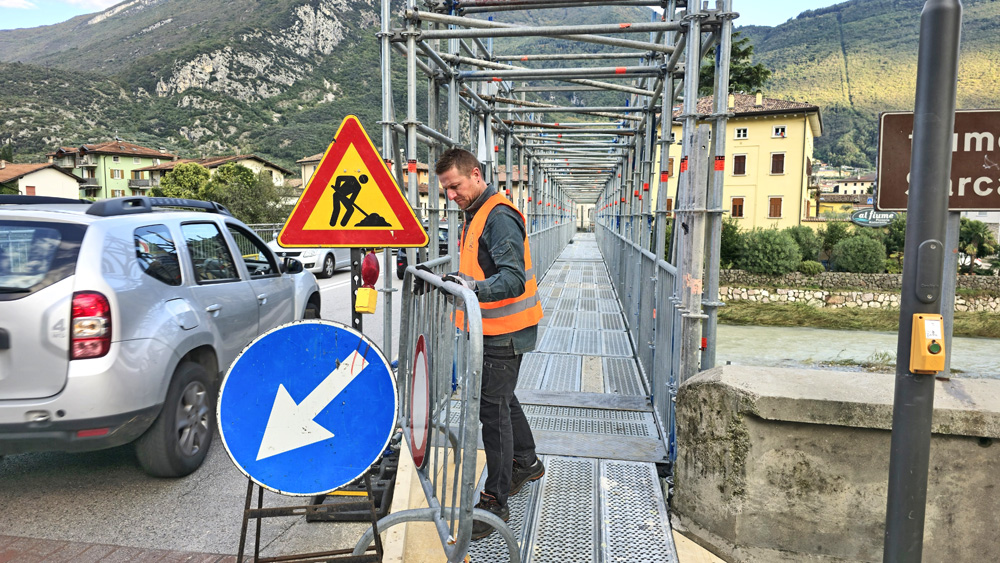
91	4
18	4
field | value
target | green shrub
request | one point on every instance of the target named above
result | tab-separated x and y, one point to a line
860	254
809	242
732	239
769	251
894	264
811	267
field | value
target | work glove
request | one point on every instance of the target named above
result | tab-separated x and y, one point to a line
421	287
471	286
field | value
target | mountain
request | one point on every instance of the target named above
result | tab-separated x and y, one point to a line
276	77
859	58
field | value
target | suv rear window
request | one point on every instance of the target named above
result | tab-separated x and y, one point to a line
209	253
157	254
36	254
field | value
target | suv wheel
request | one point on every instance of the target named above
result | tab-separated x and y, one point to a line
177	442
329	266
312	310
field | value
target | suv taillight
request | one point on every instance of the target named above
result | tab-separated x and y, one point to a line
91	326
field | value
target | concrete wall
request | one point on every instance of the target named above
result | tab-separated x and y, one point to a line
844	299
792	465
841	280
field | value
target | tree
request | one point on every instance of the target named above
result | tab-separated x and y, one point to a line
975	239
895	238
743	75
186	180
250	198
7	151
729	247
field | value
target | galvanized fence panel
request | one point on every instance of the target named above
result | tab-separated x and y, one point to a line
446	318
15	248
647	293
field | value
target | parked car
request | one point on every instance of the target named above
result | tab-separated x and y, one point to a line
401	261
322	262
118	319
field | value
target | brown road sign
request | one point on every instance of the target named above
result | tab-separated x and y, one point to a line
975	166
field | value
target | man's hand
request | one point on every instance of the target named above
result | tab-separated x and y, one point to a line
460	281
421	287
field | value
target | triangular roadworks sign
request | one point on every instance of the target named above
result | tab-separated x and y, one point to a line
352	200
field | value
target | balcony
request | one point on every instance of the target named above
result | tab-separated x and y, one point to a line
86	162
90	183
140	184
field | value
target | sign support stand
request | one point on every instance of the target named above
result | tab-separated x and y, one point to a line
948	285
357	254
338	555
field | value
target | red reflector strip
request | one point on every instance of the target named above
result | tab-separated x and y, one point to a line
624	25
497	79
720	163
93	432
623	200
411	165
664	176
645	186
636	192
684	164
524	58
620	70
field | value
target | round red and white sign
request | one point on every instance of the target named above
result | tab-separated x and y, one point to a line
420	403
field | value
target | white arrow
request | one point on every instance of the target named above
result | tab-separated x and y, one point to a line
291	426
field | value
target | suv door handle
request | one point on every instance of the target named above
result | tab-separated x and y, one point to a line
262	298
215	308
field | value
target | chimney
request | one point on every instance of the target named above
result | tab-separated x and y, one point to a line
732	101
758	99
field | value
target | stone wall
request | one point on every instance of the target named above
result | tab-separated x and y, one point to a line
779	465
841	280
843	299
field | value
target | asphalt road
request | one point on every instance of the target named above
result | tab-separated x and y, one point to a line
104	496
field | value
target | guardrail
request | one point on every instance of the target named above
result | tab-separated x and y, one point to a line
647	292
439	375
546	245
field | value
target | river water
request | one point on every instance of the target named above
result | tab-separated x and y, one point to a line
820	348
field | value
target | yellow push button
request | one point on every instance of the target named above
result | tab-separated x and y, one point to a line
927	353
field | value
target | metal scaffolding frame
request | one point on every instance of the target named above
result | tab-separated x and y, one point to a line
573	161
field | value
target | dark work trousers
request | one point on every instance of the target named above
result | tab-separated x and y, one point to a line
506	434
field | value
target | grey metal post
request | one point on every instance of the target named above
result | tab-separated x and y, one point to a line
413	194
693	262
713	249
948	285
455	132
387	118
927	205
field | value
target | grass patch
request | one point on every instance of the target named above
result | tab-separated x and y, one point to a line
983	325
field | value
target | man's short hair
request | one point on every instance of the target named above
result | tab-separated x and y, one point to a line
461	159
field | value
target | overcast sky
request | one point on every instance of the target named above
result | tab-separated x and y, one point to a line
31	13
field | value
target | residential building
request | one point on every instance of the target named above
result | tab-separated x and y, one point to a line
255	163
44	178
768	161
863	184
111	169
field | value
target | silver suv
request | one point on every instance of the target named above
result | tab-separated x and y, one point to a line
117	319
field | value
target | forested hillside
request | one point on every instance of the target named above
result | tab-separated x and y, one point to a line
859	58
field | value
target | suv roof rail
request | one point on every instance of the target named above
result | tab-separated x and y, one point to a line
145	204
10	199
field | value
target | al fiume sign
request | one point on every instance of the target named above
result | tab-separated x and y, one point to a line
975	165
872	217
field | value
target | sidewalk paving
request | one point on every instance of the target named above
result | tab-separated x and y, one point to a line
30	550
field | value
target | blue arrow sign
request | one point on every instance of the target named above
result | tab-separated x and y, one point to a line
307	407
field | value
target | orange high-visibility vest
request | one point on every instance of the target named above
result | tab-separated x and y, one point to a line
507	315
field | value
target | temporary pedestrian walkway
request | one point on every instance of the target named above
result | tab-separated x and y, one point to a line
601	499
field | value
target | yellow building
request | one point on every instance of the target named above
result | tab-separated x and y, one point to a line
769	146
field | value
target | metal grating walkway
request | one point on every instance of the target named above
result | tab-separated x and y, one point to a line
600	500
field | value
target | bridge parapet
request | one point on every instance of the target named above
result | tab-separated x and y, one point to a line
792	465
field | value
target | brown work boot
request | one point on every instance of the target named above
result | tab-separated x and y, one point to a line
488	502
521	475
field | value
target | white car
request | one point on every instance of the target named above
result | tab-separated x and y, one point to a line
322	262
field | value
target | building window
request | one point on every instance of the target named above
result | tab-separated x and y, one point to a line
135	160
117	174
156	162
779	131
670	167
736	207
138	175
117	193
29	190
741	133
739	165
116	158
777	163
774	208
670	207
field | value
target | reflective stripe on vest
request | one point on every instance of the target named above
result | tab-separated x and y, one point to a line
507	315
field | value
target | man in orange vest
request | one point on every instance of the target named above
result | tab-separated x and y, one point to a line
495	262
